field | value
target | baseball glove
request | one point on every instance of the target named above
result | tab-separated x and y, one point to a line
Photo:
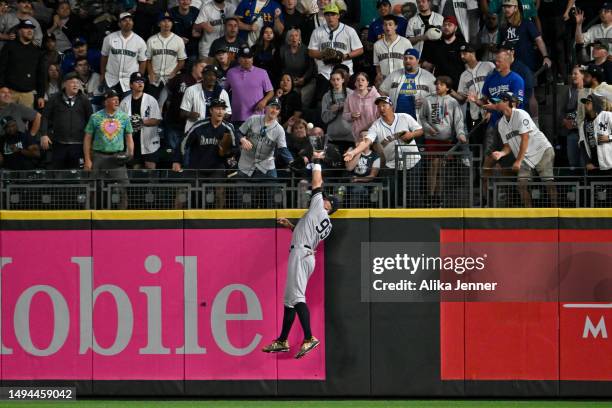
331	56
225	145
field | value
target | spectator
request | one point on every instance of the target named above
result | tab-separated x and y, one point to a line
145	116
259	136
81	49
123	53
90	82
487	38
146	16
23	115
252	15
363	168
408	87
600	32
196	100
165	56
442	122
601	59
555	33
50	52
470	84
443	56
202	143
295	61
109	133
531	149
6	34
462	11
19	151
420	25
210	23
251	88
64	119
529	10
408	10
53	83
293	19
291	103
337	36
590	146
298	142
359	108
9	22
184	16
389	50
23	69
376	29
339	131
593	83
568	118
230	41
365	61
66	26
174	121
528	78
266	54
223	64
523	34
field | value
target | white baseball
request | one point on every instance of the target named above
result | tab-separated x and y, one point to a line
310	126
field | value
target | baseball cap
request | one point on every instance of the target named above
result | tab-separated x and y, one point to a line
125	15
596	71
384	99
165	16
331	8
274	102
334	201
342	67
110	93
503	96
24	1
451	19
506	45
412	51
510	3
607	5
211	68
245	53
26	24
70	75
467	48
79	41
218	102
221	50
382	2
589	98
599	44
136	77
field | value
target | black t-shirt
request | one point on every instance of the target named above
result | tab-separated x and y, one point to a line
232	47
176	88
136	103
290	103
446	58
607	66
295	20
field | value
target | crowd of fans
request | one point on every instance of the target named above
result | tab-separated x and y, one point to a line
112	85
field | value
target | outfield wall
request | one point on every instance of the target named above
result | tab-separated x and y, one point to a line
180	303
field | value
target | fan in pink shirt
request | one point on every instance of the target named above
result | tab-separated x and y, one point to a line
359	108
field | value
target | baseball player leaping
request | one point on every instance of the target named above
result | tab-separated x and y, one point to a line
311	229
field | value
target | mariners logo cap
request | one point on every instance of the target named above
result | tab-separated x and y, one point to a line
245	52
384	99
503	96
274	102
111	93
136	77
26	24
218	103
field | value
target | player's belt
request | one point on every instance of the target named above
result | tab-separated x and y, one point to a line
301	246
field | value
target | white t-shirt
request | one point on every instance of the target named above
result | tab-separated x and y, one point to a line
124	55
165	53
210	13
343	39
472	80
511	130
603	126
390	57
194	100
381	132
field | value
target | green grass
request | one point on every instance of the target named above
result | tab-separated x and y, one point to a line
310	404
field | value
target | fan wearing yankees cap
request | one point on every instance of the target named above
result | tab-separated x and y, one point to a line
145	116
443	56
408	87
259	137
123	52
594	82
425	25
589	144
530	147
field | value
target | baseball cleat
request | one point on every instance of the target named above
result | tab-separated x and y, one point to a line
307	347
276	347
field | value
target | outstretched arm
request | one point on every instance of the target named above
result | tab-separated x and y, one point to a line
317	177
285	223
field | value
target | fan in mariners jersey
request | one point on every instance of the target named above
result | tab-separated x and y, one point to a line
337	36
165	56
389	50
211	23
260	135
531	149
123	52
419	25
376	29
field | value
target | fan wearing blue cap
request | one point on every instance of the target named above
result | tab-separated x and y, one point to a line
530	147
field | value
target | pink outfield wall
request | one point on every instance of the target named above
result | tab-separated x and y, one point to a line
194	304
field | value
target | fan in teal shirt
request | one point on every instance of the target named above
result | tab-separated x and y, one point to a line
108	131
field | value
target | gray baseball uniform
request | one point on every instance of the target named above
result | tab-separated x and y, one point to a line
264	139
311	229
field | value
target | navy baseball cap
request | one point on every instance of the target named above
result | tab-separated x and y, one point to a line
607	5
380	3
211	68
79	41
503	96
506	45
384	99
274	102
245	53
111	93
596	71
69	76
26	24
467	48
412	51
334	201
218	103
136	77
165	16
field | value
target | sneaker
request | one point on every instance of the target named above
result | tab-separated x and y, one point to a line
276	346
307	347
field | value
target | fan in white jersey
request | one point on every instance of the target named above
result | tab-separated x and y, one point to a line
123	53
459	8
211	23
165	55
389	50
599	32
602	127
310	230
419	25
530	147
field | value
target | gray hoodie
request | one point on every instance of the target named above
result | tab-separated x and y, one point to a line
338	129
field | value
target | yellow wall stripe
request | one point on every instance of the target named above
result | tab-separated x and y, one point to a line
417	213
45	215
511	212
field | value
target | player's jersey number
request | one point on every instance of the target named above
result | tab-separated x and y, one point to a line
324	228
